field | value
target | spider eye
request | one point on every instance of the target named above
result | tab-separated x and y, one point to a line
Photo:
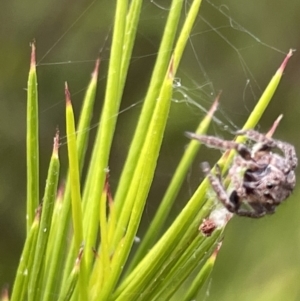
270	185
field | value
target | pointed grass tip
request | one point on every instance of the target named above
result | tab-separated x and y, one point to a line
214	106
33	55
286	59
274	126
193	136
67	94
96	69
56	143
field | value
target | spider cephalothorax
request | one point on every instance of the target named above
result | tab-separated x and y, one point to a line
260	178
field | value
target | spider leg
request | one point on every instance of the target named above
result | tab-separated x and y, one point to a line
215	142
266	143
244	164
230	204
255	136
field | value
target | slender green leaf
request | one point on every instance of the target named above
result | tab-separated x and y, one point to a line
155	85
32	142
58	252
159	253
105	132
201	277
132	20
142	180
47	209
20	286
172	191
75	192
68	289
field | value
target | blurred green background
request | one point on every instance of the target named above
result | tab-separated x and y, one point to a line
236	47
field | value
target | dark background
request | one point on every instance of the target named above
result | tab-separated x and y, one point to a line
237	53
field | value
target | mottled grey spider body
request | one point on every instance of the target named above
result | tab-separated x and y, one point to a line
261	179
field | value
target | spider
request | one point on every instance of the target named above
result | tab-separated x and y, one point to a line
261	179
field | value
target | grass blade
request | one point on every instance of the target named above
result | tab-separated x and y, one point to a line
142	180
58	252
75	191
201	277
20	286
180	227
105	132
45	225
155	85
68	289
32	142
172	191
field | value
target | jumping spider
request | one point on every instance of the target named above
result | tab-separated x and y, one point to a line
267	179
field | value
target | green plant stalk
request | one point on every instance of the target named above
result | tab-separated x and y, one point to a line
155	85
103	264
75	192
183	37
32	142
128	43
153	91
176	265
67	290
159	253
185	32
132	20
167	271
98	269
190	263
129	38
180	45
24	294
84	123
105	131
142	180
59	244
112	221
267	95
104	248
68	265
45	224
200	279
172	191
51	283
259	109
53	231
171	254
86	115
20	286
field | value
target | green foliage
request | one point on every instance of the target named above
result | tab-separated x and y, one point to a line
94	263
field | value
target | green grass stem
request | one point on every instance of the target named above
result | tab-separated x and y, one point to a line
32	142
47	209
